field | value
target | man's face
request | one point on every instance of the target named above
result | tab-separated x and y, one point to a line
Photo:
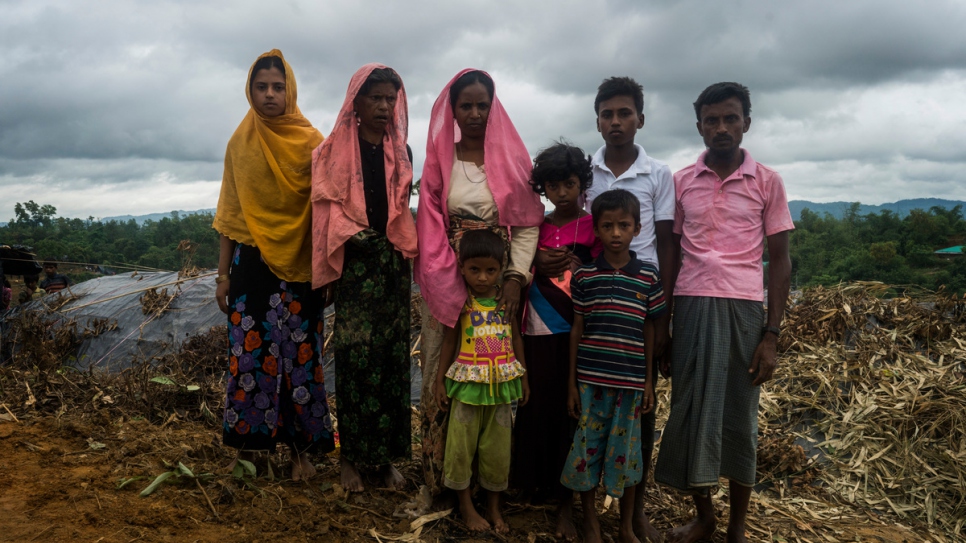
722	126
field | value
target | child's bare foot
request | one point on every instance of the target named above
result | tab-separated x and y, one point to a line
644	530
592	530
394	479
351	480
565	521
626	535
302	468
473	520
248	456
495	518
696	530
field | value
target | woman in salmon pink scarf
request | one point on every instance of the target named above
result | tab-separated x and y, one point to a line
363	235
476	175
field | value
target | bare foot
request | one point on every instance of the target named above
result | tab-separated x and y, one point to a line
592	530
737	537
473	520
495	517
694	531
248	456
351	480
626	535
643	529
394	479
302	468
565	523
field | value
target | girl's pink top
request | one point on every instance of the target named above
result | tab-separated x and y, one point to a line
338	194
508	173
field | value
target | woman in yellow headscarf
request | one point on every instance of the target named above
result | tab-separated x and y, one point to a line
276	391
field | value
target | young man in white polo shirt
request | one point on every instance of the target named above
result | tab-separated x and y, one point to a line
622	164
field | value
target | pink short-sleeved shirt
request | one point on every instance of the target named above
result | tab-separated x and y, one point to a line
723	226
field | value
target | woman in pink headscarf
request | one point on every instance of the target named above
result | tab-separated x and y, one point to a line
363	234
476	175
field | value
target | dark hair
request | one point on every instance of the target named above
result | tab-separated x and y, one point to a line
50	262
265	63
466	80
613	200
32	278
380	75
482	244
557	163
719	92
620	86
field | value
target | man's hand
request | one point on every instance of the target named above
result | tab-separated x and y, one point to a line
221	296
765	359
553	262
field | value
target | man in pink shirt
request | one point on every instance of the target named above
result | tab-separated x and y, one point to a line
728	206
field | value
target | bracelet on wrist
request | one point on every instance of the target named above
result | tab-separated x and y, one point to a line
772	329
221	278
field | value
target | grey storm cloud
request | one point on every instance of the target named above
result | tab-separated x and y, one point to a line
126	107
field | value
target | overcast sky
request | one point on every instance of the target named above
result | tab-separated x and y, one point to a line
114	107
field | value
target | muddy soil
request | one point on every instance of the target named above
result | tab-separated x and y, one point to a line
60	478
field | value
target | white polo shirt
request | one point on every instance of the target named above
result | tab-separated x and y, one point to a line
648	179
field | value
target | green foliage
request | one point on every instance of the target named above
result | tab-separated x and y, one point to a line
112	244
879	247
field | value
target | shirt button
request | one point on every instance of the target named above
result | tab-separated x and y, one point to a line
720	191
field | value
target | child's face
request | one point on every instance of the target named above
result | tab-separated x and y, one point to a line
268	92
480	274
376	108
32	285
618	120
564	194
616	228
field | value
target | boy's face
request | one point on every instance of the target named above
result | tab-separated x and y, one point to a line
32	284
618	120
723	125
480	274
616	228
50	269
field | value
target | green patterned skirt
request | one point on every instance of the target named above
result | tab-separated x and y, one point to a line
371	348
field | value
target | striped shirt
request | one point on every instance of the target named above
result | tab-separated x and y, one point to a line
614	304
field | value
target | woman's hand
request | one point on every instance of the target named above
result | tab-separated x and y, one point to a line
552	262
221	296
329	294
573	402
509	299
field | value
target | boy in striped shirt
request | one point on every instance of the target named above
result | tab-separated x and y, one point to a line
616	299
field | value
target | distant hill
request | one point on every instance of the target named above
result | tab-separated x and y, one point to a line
901	208
141	219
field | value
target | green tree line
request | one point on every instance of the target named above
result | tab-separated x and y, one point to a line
825	250
879	247
153	244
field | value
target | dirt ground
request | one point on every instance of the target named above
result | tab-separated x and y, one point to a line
60	479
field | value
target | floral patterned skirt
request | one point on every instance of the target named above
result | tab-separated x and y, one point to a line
276	390
371	349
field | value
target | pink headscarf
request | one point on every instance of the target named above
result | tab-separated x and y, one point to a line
508	169
338	194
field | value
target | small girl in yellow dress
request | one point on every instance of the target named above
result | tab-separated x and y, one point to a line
487	374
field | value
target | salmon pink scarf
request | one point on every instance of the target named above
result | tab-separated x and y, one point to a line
338	194
508	169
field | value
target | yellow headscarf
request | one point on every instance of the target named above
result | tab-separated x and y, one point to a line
267	183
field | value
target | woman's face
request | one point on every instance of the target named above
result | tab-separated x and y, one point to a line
376	108
268	92
472	110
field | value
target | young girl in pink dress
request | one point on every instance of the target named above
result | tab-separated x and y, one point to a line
543	431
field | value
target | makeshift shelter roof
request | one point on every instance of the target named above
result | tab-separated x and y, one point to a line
950	251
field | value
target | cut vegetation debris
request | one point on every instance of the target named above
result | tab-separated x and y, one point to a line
863	437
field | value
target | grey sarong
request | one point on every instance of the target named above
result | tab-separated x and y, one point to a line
712	430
